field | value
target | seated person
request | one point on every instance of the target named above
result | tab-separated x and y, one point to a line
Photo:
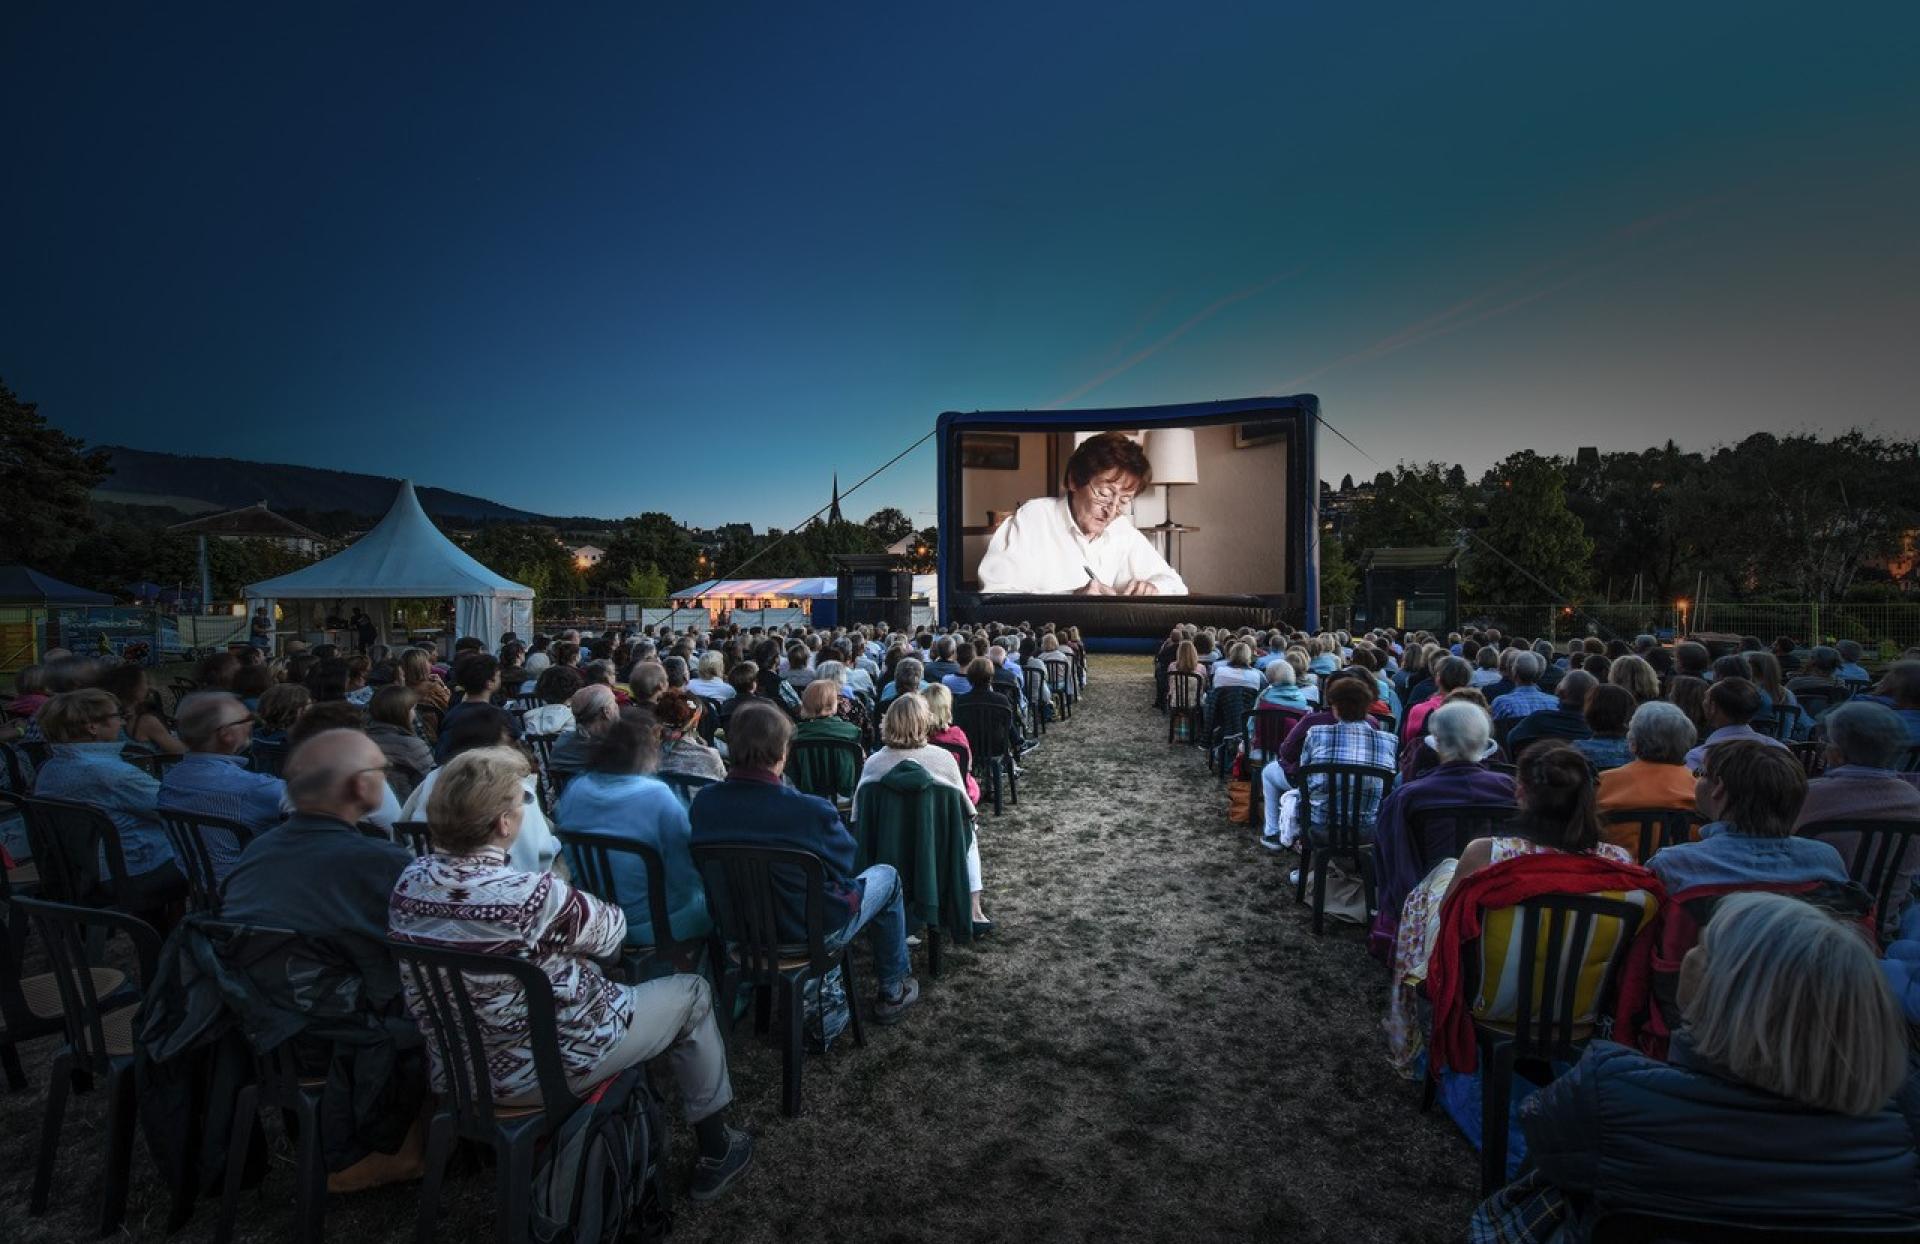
478	677
1901	688
1732	704
594	710
1554	790
1658	737
1083	543
906	730
939	702
280	706
484	726
466	896
820	719
979	675
212	779
1751	794
84	730
1567	721
554	689
617	795
753	807
1820	676
1865	743
147	727
1348	739
680	747
711	681
908	675
1787	1099
390	725
1609	710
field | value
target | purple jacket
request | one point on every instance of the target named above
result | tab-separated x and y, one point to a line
1397	857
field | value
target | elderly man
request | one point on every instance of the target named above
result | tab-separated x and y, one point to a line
1083	543
1864	744
1566	720
317	874
594	712
212	779
1526	698
1732	704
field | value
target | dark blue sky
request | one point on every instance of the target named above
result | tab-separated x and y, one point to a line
699	257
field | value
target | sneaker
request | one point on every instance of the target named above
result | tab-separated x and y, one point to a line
892	1010
1028	746
1293	878
1271	842
713	1176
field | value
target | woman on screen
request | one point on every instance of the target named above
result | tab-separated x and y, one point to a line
1083	544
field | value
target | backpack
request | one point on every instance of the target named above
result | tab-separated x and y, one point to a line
599	1177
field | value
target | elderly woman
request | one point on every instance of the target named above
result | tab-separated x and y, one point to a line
710	679
617	796
681	750
1461	735
84	728
484	726
594	711
1658	737
905	731
1787	1100
1636	676
466	896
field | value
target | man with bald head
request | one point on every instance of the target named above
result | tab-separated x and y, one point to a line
212	779
317	874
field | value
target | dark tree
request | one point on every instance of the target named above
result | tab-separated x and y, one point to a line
45	478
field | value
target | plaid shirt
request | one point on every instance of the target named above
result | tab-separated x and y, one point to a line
1347	743
1522	702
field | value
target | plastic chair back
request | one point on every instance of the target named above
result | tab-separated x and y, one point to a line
269	757
416	836
988	727
1878	850
819	767
187	832
1345	826
748	888
590	859
68	839
1469	821
1659	827
63	931
685	785
1552	1014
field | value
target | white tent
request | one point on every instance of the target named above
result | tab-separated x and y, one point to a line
405	557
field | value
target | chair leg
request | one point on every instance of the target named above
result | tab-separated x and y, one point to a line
994	769
59	1084
1366	884
246	1111
310	1172
513	1194
10	1062
1429	1089
439	1148
853	995
120	1128
1306	863
933	950
1320	897
762	1008
1496	1086
1013	783
796	1047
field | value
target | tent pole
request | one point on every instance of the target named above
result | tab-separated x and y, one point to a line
206	578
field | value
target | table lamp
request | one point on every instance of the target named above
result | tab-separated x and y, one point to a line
1175	462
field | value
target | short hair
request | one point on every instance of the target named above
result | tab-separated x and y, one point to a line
939	700
1609	709
757	736
66	717
1791	1001
470	793
474	671
1737	699
630	745
820	699
712	665
979	672
1660	733
1527	668
1279	674
1902	684
646	679
332	715
483	725
1573	689
1824	659
908	675
676	670
1108	451
1452	672
203	714
744	677
1865	733
907	723
282	704
393	705
1460	730
595	703
1351	698
557	683
1764	785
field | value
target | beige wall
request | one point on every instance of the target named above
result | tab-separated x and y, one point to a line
1239	506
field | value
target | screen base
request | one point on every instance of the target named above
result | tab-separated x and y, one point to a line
1129	617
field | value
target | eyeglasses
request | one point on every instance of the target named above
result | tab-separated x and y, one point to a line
1109	495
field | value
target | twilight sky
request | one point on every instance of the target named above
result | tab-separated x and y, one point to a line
696	258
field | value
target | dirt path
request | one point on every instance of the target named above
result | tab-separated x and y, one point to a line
1153	1047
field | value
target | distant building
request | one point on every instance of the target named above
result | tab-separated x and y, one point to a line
587	556
255	522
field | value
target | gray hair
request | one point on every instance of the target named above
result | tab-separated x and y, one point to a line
1460	730
1527	668
712	665
833	671
1824	658
1865	733
908	674
1850	650
1791	1001
203	714
1660	733
1279	674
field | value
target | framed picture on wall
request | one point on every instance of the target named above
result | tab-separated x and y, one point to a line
989	451
1248	435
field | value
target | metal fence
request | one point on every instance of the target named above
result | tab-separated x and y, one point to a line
1887	629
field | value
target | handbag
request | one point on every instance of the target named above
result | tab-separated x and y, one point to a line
1240	801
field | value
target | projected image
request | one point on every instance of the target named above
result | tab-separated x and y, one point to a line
1164	511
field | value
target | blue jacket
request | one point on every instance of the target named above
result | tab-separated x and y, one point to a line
756	810
95	773
645	809
1681	1138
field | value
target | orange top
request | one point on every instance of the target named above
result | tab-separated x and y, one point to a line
1640	784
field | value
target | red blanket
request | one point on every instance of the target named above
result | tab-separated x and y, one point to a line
1504	885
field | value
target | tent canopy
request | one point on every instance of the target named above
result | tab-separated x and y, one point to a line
826	587
23	585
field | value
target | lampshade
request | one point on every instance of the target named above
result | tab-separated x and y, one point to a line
1171	452
1081	438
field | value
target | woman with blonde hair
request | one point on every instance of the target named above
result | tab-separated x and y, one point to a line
416	670
945	734
906	730
1786	1099
465	896
1636	676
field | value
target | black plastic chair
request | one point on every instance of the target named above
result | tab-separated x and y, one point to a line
1065	689
590	859
1771	725
442	1003
1629	1227
155	764
1546	1027
1659	827
814	767
686	786
541	745
1032	680
989	728
1267	730
68	840
1231	708
1186	698
29	1005
99	1041
744	898
1812	755
1882	844
415	836
1347	837
188	832
269	756
1470	821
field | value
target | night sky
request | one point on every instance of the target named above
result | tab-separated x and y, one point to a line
698	257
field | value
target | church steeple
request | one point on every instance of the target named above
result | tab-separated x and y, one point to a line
833	514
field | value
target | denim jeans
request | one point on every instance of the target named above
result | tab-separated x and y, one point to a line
883	913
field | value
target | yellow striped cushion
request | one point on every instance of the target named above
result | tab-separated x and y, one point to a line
1499	996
